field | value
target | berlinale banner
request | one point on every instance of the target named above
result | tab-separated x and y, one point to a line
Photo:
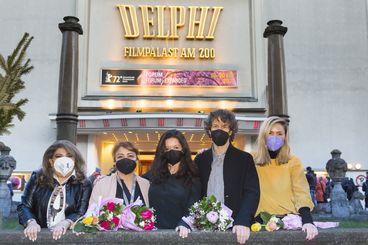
169	77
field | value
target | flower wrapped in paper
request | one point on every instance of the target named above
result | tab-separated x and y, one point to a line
289	222
102	216
269	223
137	217
208	214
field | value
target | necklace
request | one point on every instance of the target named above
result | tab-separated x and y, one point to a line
126	201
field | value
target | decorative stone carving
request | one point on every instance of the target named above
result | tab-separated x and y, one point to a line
356	206
336	167
7	165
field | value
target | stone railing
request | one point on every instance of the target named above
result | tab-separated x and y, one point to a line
163	237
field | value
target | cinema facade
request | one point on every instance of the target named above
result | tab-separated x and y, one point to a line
149	66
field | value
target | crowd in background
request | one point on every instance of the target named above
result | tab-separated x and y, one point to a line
321	187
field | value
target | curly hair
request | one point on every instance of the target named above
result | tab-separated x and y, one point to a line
225	116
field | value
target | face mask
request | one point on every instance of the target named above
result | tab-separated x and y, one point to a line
126	165
219	137
173	156
274	143
64	165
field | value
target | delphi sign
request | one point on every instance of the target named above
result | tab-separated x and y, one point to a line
165	22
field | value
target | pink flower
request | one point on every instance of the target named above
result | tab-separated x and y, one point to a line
149	226
110	206
212	217
105	225
271	226
146	214
115	220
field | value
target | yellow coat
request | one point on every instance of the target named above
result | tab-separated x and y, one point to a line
284	187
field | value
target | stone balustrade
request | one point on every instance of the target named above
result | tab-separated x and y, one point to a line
328	236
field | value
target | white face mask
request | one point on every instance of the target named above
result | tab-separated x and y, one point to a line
64	165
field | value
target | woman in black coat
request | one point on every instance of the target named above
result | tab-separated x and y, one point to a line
56	195
175	186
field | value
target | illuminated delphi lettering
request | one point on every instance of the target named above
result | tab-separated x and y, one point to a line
202	25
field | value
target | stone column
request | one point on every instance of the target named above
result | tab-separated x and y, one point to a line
7	165
339	201
336	168
277	97
67	114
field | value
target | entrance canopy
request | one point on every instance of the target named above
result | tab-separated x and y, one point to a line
97	122
99	132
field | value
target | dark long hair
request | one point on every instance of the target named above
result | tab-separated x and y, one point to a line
46	176
159	168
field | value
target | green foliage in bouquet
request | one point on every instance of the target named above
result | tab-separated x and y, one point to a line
108	219
87	228
208	214
269	222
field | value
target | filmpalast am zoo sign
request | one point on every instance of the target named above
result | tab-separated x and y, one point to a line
201	25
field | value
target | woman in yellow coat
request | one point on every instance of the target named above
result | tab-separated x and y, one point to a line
284	187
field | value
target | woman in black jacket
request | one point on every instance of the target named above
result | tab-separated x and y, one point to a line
56	195
175	186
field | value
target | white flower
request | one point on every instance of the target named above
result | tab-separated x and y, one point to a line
141	224
274	219
223	214
110	216
222	226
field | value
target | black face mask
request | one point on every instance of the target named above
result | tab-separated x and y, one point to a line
219	137
125	165
173	156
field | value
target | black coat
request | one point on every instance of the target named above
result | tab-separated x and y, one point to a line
36	198
241	184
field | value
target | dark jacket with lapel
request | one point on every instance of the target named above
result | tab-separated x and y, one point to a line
36	197
241	185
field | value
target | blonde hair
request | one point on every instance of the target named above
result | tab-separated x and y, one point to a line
262	156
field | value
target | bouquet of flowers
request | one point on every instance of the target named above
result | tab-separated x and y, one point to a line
137	217
269	222
208	214
105	216
289	222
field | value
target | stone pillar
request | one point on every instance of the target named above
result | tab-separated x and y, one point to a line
67	114
7	165
339	202
336	168
276	89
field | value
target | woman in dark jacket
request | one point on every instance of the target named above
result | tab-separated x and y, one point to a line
175	186
56	195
